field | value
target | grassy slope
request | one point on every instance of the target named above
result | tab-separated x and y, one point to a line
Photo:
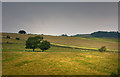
74	41
55	61
83	42
17	61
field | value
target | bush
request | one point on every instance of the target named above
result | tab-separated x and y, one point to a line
17	38
8	37
7	42
102	49
113	75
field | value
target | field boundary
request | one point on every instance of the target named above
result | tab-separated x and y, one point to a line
82	48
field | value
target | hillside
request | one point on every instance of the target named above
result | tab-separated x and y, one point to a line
58	60
94	43
99	34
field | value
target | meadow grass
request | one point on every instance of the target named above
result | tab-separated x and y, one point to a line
57	61
16	60
110	43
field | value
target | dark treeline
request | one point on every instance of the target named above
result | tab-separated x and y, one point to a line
64	35
100	34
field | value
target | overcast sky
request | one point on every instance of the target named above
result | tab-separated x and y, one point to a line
56	18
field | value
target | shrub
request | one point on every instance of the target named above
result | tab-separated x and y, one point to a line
8	37
17	38
102	49
113	75
7	42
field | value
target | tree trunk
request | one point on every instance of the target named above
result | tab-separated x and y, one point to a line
33	49
42	50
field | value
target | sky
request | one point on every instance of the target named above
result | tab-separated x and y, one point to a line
56	18
60	0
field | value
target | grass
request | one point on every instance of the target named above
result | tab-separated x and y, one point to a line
83	48
82	42
16	60
59	63
110	43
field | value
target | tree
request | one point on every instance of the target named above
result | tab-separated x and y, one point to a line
32	42
44	45
102	49
22	32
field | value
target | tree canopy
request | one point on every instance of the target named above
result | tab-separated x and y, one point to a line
37	42
64	35
22	32
44	45
101	34
32	42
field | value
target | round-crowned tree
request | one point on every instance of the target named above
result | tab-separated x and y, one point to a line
44	45
32	42
22	32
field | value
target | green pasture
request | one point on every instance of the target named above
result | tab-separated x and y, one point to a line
16	60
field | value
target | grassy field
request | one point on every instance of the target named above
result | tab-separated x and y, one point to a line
16	60
71	41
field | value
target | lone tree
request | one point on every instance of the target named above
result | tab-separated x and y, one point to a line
102	49
22	32
32	42
44	45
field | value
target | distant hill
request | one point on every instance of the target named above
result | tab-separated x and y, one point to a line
100	34
105	34
82	35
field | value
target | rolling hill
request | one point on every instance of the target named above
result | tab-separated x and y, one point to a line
63	58
89	43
